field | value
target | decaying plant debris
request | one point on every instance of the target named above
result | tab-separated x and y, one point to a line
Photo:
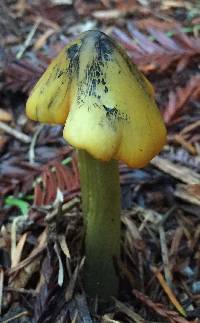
41	252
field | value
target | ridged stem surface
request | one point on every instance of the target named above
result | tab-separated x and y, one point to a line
101	207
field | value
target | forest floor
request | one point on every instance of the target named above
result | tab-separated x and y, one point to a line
41	260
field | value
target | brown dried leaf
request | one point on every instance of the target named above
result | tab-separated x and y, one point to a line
178	99
189	193
50	187
160	52
160	24
38	195
3	141
22	75
159	308
43	38
16	251
169	291
5	116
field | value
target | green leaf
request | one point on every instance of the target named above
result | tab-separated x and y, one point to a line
66	160
21	204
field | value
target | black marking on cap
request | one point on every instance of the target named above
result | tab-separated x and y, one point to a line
104	48
59	73
105	89
73	54
110	111
95	71
50	103
55	97
114	113
91	82
72	51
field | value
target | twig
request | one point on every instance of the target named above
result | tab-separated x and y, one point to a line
1	287
61	269
71	285
190	127
15	133
165	257
11	319
28	39
168	291
185	193
159	308
163	244
31	153
129	312
18	249
178	171
20	291
15	224
63	245
20	280
27	261
185	144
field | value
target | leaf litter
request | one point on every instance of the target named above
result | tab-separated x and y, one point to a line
41	221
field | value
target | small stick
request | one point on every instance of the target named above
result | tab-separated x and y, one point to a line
26	261
182	173
168	291
165	257
11	319
1	288
15	133
28	39
31	153
20	291
164	249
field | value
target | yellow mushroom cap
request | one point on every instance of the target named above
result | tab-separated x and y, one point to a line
106	104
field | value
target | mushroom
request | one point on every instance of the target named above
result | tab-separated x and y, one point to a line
109	113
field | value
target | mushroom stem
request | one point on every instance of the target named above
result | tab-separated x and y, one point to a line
101	206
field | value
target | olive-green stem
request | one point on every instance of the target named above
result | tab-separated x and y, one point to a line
100	190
